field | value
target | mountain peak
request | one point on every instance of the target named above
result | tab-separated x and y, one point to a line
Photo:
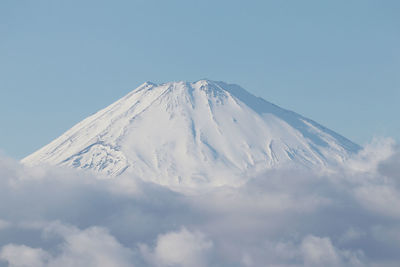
194	133
148	83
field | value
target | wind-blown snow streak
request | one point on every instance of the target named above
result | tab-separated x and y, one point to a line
194	134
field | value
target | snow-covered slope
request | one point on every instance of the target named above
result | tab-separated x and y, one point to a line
189	134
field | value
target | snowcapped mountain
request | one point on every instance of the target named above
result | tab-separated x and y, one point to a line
190	134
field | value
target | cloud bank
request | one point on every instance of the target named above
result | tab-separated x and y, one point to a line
348	216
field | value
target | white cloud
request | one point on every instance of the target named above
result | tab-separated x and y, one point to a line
93	246
23	256
182	248
369	158
317	251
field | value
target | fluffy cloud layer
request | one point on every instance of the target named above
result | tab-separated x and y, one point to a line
93	246
182	248
349	216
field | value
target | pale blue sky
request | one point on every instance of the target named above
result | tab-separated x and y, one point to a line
337	62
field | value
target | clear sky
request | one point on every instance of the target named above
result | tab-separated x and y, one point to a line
337	62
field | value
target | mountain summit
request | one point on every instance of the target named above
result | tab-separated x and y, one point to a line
187	134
